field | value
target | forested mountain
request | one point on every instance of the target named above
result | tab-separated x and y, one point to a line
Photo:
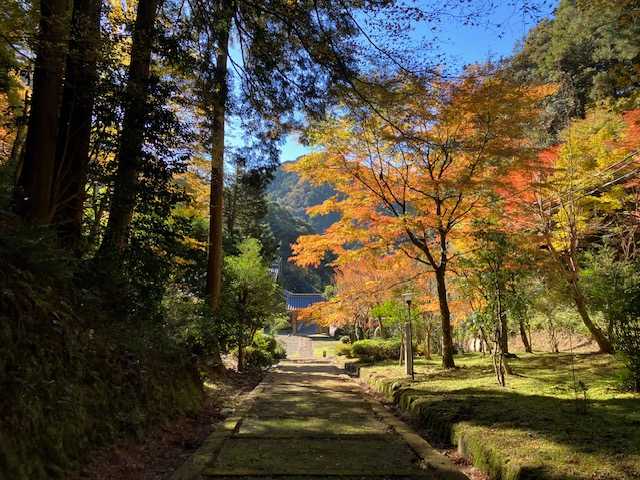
296	195
286	228
288	218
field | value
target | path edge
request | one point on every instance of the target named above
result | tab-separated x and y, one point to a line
435	462
197	462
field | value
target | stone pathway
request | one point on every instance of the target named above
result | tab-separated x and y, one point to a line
307	420
298	348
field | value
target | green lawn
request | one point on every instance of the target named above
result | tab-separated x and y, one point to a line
532	429
328	345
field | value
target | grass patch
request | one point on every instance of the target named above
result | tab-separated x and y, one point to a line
532	429
328	346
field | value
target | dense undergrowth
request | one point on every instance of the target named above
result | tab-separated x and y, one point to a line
75	370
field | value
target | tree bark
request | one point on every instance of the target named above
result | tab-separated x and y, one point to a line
35	180
15	157
502	319
445	317
427	340
598	335
72	154
132	136
216	200
523	336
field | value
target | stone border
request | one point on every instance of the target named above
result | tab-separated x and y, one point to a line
469	446
195	465
435	462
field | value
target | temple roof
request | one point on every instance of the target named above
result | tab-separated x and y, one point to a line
296	301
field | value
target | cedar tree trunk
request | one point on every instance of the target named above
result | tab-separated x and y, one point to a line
72	155
35	180
216	199
132	136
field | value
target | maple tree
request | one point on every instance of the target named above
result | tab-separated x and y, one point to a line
572	192
411	171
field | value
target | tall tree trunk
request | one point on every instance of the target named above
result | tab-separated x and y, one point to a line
35	181
136	109
72	155
598	335
219	98
523	336
445	317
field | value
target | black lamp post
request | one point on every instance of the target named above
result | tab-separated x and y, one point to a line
408	297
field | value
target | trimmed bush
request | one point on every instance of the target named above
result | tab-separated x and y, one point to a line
376	349
345	339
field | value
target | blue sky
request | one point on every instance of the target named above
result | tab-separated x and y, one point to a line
463	44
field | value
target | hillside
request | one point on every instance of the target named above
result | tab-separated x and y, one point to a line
288	191
286	229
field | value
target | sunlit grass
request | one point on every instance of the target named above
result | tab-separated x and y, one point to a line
539	426
328	346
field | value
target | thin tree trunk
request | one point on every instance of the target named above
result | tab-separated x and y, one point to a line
553	339
132	136
598	335
35	181
219	98
72	155
428	343
504	329
485	340
445	317
523	336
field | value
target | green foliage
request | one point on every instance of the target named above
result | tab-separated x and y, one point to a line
296	195
613	288
345	339
263	352
251	297
590	50
246	208
376	349
343	349
73	373
286	229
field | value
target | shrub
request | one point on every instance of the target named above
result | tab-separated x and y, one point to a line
263	352
343	349
265	342
345	339
376	349
280	352
256	358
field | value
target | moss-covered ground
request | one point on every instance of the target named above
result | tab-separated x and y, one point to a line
538	427
309	421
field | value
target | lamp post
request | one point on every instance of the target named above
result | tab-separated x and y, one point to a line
408	348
